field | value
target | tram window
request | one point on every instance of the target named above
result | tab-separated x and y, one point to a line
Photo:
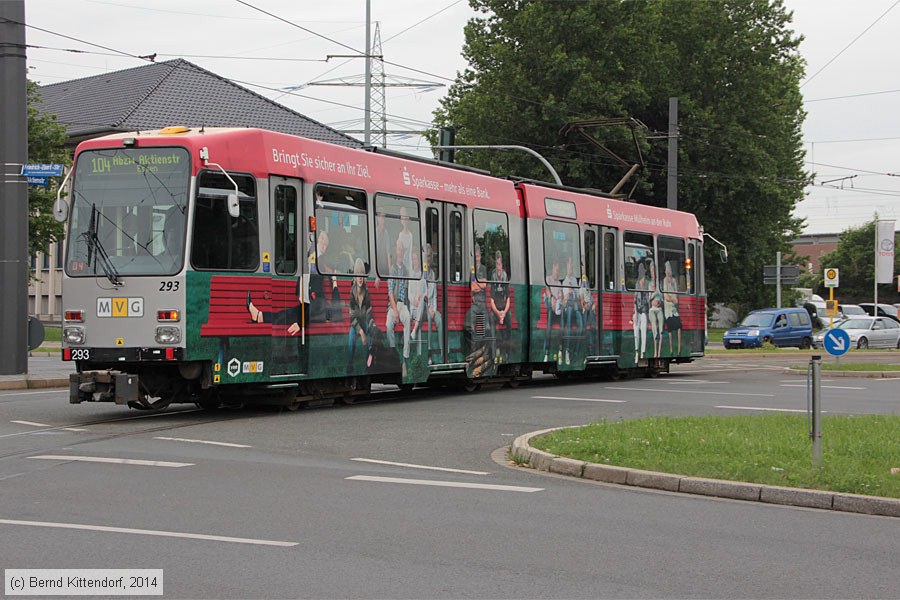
562	252
590	258
401	238
455	246
638	260
492	236
432	243
342	223
285	230
671	264
221	242
609	260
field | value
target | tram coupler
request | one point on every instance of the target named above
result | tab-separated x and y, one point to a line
103	386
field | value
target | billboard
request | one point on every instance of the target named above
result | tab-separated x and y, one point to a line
884	251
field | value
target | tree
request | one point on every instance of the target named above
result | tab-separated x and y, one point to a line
536	66
854	256
46	140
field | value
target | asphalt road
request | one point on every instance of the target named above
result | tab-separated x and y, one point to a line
409	498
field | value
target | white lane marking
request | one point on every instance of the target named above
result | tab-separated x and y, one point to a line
10	393
579	399
150	416
174	534
228	444
688	392
689	382
786	410
114	461
453	484
31	423
829	387
400	464
724	369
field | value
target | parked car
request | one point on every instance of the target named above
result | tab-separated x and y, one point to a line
778	326
815	306
845	311
884	310
868	332
851	310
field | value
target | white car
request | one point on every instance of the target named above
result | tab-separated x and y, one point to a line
868	332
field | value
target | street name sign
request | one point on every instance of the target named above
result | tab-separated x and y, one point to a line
39	170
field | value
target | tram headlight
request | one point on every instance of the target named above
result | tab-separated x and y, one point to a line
74	335
168	335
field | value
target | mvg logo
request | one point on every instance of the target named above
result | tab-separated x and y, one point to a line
120	307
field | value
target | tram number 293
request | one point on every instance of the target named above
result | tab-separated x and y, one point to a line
81	354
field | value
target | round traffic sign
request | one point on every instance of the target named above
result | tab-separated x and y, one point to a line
836	342
831	273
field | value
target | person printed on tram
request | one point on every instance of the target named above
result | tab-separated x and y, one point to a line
405	237
361	319
571	310
416	292
318	309
431	306
588	312
552	298
655	314
641	310
397	304
670	307
321	307
500	304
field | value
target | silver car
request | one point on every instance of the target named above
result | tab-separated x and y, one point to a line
868	332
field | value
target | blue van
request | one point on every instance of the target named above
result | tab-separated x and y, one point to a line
778	326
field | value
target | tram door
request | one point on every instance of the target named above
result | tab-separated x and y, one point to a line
608	277
443	240
289	354
591	298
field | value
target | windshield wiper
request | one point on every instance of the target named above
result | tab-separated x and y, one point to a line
97	251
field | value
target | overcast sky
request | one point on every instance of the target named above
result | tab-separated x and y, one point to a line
851	91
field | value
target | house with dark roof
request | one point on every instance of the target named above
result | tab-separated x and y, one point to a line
153	96
175	92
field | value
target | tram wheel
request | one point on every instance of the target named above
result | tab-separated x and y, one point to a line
470	386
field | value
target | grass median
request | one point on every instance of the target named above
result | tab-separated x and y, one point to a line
860	454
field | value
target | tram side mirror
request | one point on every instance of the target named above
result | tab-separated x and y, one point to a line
60	210
234	206
723	255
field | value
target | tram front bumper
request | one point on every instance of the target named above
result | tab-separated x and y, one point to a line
103	386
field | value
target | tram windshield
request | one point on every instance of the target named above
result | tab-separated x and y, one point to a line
129	210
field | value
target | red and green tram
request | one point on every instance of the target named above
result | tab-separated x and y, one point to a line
207	265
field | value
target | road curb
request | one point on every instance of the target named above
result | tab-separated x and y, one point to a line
523	453
32	383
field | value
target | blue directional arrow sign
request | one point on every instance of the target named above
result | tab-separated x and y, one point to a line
836	342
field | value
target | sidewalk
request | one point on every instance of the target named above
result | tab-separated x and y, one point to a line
45	370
